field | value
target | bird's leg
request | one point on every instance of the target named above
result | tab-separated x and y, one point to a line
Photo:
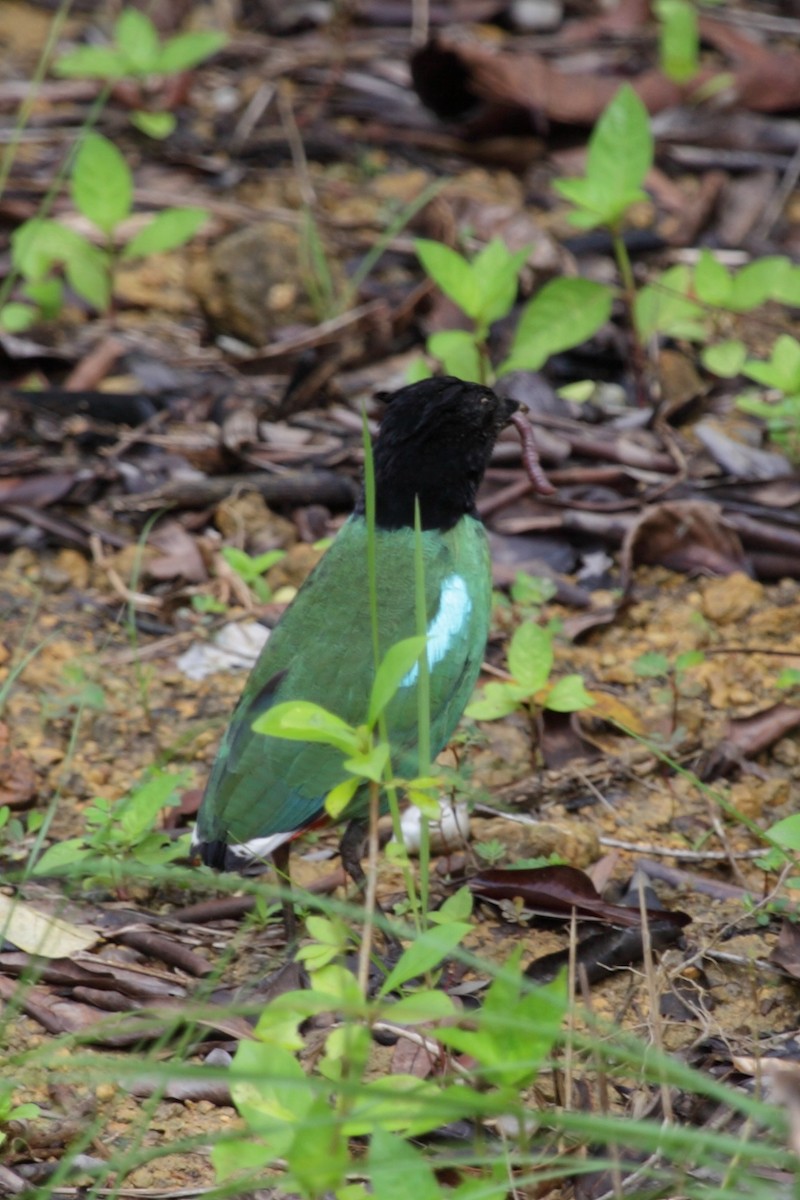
280	859
351	848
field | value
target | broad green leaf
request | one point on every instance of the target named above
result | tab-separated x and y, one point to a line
418	370
48	295
516	1028
38	245
565	313
339	797
157	125
651	665
496	271
16	317
168	230
712	280
789	677
452	273
427	803
530	656
188	50
619	156
302	721
786	286
396	665
620	151
495	701
398	1171
680	40
689	659
138	812
318	1171
664	307
725	359
59	858
425	952
457	907
89	275
92	62
137	38
401	1103
369	764
568	695
782	371
240	1154
458	354
758	282
420	1007
101	182
271	1091
786	833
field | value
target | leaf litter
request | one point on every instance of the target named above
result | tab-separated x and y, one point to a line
241	416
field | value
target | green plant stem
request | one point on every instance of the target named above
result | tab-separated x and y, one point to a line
629	295
423	702
365	950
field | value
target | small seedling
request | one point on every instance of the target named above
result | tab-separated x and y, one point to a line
101	185
530	661
138	54
781	372
120	831
252	568
653	665
679	40
563	314
9	1111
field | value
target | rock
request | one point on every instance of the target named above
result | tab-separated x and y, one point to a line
728	600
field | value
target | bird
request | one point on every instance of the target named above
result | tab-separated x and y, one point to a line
433	446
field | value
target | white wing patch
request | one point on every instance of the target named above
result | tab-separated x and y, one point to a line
452	615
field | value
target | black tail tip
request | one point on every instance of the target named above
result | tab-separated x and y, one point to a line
214	854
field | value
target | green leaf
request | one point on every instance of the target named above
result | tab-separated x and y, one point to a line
725	359
48	295
651	665
759	281
398	1171
397	663
420	1007
786	285
568	695
240	1154
425	953
271	1091
496	700
88	273
168	230
92	62
302	721
689	658
664	307
137	39
101	183
369	764
783	369
452	273
619	156
39	245
457	907
457	352
156	125
138	812
188	50
788	678
339	797
621	151
712	280
680	41
530	656
16	317
786	833
496	271
516	1028
63	855
564	313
